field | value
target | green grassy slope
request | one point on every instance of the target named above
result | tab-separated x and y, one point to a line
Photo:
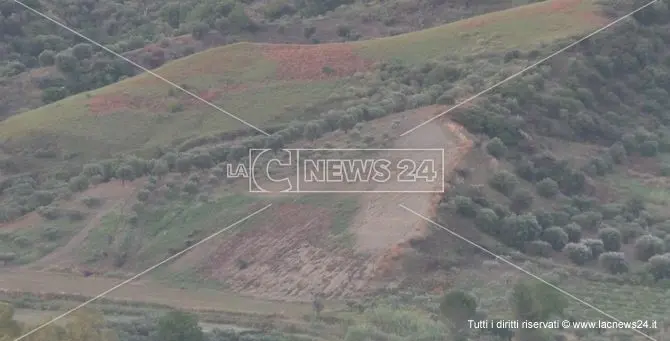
270	83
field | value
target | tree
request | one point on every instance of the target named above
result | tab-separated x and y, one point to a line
312	131
618	153
143	195
496	147
547	188
578	253
9	328
596	246
659	266
487	220
47	58
202	161
125	173
574	232
7	257
53	94
519	229
199	30
183	164
82	51
611	238
346	122
458	307
555	236
648	246
66	62
317	305
522	199
613	262
179	326
465	206
88	325
78	183
504	182
536	301
160	169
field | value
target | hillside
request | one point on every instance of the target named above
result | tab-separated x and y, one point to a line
154	32
269	84
561	172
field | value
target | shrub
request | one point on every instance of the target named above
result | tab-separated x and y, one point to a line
496	147
487	220
539	248
649	148
611	238
49	212
588	220
78	183
547	188
465	206
613	262
47	58
91	202
555	236
648	246
522	199
659	266
596	246
143	195
504	182
190	187
519	229
574	232
630	232
578	253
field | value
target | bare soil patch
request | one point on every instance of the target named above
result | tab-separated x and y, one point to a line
383	228
288	256
310	62
110	103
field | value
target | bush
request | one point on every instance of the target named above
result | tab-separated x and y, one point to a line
659	266
47	58
555	236
496	147
649	148
539	248
522	199
465	206
630	232
487	220
574	232
143	195
648	246
504	182
613	262
547	188
611	238
91	202
588	220
596	246
578	253
519	229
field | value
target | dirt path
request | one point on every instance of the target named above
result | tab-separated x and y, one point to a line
381	224
115	196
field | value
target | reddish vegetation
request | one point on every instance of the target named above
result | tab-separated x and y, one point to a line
104	104
309	62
